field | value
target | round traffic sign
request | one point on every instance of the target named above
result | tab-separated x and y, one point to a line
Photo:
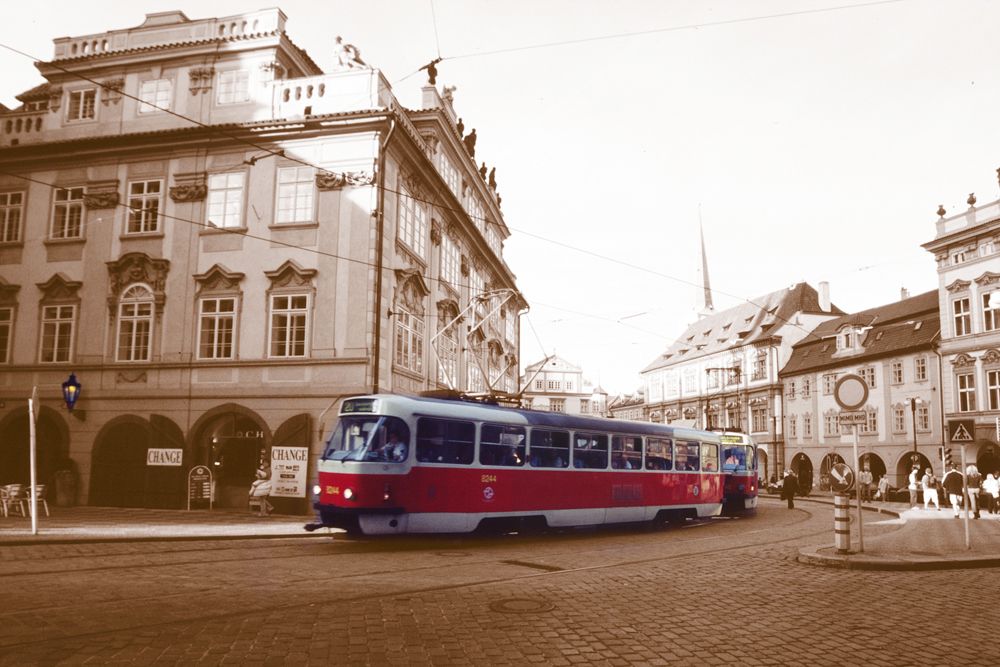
841	477
850	392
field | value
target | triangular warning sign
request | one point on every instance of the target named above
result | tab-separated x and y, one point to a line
961	434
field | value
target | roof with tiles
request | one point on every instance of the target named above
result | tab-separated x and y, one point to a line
907	325
754	320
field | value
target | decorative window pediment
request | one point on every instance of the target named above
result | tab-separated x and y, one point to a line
988	278
958	286
8	292
991	356
411	290
962	360
688	413
60	288
189	187
290	274
137	267
219	279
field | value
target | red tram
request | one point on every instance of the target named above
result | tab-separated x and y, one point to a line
739	469
399	464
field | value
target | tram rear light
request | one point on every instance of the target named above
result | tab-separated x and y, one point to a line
348	494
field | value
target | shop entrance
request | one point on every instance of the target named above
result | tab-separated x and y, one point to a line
803	469
51	445
233	445
121	475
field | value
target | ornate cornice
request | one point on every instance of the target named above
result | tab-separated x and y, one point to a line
219	279
958	286
290	274
189	187
8	292
962	360
436	228
988	278
98	200
55	98
137	267
991	356
112	90
60	288
328	180
200	79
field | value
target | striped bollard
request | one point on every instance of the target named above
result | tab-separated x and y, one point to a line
842	523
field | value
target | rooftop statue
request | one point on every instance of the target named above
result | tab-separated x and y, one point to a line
348	55
432	71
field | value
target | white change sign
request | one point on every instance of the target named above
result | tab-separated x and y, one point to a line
288	471
164	457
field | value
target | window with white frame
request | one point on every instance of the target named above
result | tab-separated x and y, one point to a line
991	311
584	406
958	257
493	240
807	425
476	381
712	379
920	369
412	228
538	385
144	199
474	209
806	387
993	388
451	261
987	247
225	200
11	212
923	418
966	383
829	383
569	385
447	352
793	426
296	187
58	324
557	405
831	424
67	214
289	325
961	317
82	104
449	173
790	389
216	327
135	324
896	372
759	370
868	375
758	418
234	87
898	419
554	385
409	341
6	332
846	339
871	422
155	95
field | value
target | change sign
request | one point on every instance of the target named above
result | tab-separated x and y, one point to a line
288	471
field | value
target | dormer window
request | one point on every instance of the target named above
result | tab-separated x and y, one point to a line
847	339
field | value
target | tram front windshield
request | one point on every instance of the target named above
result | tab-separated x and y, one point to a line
367	438
736	457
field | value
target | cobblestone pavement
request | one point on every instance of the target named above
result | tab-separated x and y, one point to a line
715	593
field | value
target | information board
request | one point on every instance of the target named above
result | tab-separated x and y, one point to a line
200	486
288	471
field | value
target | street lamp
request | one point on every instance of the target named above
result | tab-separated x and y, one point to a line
71	391
913	412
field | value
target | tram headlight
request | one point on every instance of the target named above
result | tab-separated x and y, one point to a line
348	494
386	493
317	490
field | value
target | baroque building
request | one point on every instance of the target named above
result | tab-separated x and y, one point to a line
722	372
965	249
556	385
220	241
892	348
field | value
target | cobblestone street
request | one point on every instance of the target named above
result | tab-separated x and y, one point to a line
724	592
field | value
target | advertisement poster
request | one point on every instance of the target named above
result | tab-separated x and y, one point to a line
288	471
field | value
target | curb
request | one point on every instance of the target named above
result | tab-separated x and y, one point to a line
129	539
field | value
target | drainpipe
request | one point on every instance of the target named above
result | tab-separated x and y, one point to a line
379	240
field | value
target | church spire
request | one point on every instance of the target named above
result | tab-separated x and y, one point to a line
707	306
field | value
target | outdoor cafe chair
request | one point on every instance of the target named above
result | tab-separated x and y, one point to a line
13	497
39	497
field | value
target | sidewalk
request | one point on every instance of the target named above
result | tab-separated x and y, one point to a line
109	524
924	540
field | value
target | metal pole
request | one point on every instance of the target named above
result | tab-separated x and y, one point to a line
965	498
33	500
857	489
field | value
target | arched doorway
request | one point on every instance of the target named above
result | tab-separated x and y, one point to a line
988	459
803	469
763	471
905	465
874	463
233	443
828	462
121	473
51	447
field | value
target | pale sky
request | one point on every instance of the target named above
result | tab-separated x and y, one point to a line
817	145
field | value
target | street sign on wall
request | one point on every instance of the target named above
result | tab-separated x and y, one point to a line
852	418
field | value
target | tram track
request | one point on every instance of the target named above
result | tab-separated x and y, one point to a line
320	596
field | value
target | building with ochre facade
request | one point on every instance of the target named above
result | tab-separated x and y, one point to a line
221	241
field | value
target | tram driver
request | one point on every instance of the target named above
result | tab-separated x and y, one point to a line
394	448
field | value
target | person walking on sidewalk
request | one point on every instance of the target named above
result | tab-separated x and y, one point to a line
929	485
788	487
991	493
953	485
865	480
883	488
912	486
972	482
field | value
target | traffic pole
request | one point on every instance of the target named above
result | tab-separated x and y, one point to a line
966	499
842	522
861	530
33	500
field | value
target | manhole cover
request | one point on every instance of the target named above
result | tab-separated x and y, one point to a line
521	606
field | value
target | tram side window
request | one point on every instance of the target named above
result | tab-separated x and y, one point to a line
659	453
686	455
549	449
751	458
501	445
590	450
709	457
735	458
626	452
445	441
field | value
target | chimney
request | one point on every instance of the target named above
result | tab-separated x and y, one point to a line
904	293
824	296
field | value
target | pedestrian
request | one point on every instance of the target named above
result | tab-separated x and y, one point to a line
261	488
865	480
912	486
788	487
883	488
991	493
929	485
953	485
973	480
